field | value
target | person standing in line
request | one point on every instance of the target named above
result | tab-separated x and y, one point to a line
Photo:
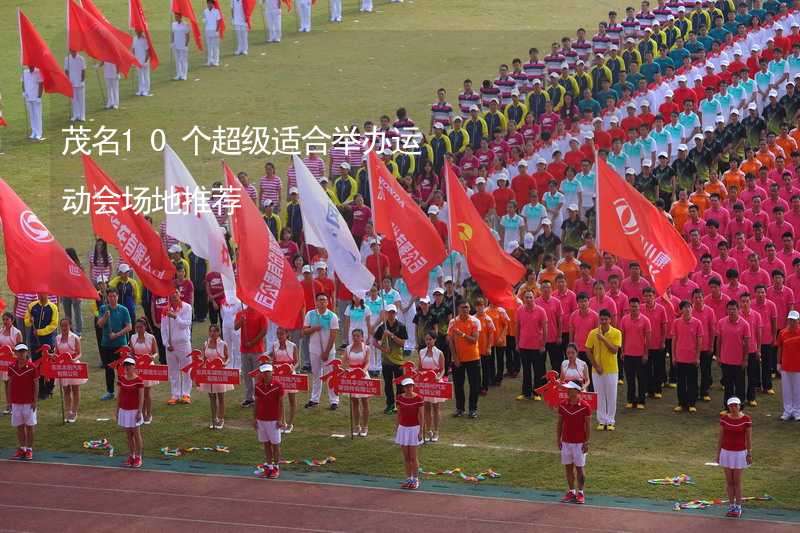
176	334
252	327
688	341
356	355
69	343
734	451
111	77
789	366
141	50
211	21
708	319
486	340
41	321
572	438
240	27
304	13
431	358
75	67
321	326
602	345
285	352
179	40
216	349
143	343
366	6
336	10
636	333
462	335
129	410
408	431
268	419
32	89
115	322
555	313
390	338
753	368
272	20
532	330
732	347
10	336
23	391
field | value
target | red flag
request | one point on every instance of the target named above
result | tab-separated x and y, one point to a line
397	216
36	262
138	22
185	9
221	27
265	280
88	34
138	243
35	53
122	36
629	226
248	6
493	269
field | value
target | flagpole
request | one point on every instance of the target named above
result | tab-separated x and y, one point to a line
377	254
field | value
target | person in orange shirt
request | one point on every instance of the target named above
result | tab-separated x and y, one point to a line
714	185
750	165
462	335
529	284
680	211
765	156
588	253
549	270
795	133
733	176
500	321
570	266
485	344
786	142
774	147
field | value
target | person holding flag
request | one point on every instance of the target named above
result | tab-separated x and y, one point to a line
321	326
75	67
212	19
32	90
176	323
240	13
179	40
142	47
272	19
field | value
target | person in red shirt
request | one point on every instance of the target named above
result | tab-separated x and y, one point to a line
788	346
268	419
482	200
23	391
130	403
636	333
502	195
438	225
377	262
253	326
409	435
541	177
328	287
522	183
216	295
572	438
183	284
734	452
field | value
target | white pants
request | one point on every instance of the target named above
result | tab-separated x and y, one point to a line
35	117
78	103
181	63
272	21
366	5
411	328
605	385
790	385
336	10
180	383
233	340
112	92
212	45
241	39
144	80
304	12
318	368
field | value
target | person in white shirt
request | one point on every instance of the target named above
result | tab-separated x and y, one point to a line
141	50
240	26
75	67
336	10
211	18
180	45
304	12
321	326
272	20
111	75
32	88
176	334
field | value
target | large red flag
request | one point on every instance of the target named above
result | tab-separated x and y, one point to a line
221	27
138	243
493	269
35	261
397	216
248	6
265	280
138	22
185	9
122	36
34	52
629	226
88	34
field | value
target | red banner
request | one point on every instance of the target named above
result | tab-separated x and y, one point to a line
36	53
90	35
138	22
65	370
152	372
292	382
555	394
351	385
436	389
216	376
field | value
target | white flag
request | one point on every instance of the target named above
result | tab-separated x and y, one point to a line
190	220
323	226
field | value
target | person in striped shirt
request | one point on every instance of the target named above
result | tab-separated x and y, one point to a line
534	68
269	187
248	187
467	98
441	111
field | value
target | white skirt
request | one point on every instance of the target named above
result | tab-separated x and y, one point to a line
215	387
150	384
730	459
69	381
434	400
407	436
128	418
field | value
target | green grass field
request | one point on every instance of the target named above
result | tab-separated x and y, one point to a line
357	70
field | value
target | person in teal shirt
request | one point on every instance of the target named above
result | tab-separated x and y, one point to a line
634	75
587	103
606	92
675	129
689	119
115	321
660	137
623	83
724	99
679	52
705	40
649	68
777	67
719	33
633	151
616	158
693	45
793	61
664	61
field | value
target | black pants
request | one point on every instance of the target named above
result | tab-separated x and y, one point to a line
620	366
585	358
162	353
635	374
389	373
513	358
500	363
655	367
733	382
686	373
666	372
472	371
108	355
46	386
213	313
706	358
533	370
444	346
555	353
200	304
753	376
768	354
487	371
98	335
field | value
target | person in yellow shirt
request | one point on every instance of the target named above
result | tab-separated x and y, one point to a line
176	256
129	290
602	346
486	340
462	335
515	111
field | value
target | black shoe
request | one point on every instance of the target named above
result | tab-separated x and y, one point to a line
306	369
458	412
310	404
473	414
247	403
334	406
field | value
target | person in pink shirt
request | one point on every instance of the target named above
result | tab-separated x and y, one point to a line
756	213
778	227
552	306
619	297
581	322
702	276
708	319
774	200
716	299
793	215
636	333
733	289
739	223
607	268
696	246
361	214
751	190
694	222
787	189
782	297
793	281
532	330
568	304
585	282
732	347
633	286
601	300
787	253
755	322
723	262
686	346
759	241
769	336
683	287
712	237
754	274
717	212
740	252
656	358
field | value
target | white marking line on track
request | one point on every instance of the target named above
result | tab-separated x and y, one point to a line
171	518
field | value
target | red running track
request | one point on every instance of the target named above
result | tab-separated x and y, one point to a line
63	498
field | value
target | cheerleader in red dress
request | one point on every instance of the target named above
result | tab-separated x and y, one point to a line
129	410
432	358
144	343
285	352
215	348
733	452
69	343
9	336
357	356
408	436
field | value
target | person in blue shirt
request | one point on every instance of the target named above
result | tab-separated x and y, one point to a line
664	61
731	24
606	92
758	11
649	68
679	52
587	103
115	323
622	83
704	39
719	33
743	16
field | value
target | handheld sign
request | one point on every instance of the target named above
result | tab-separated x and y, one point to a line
211	371
426	383
291	382
353	381
554	394
149	371
61	366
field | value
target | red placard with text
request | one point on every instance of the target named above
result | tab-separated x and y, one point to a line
216	376
437	389
151	372
292	382
66	371
347	385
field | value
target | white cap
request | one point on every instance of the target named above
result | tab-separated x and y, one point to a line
345	165
571	385
793	315
725	63
175	249
473	107
391	307
732	400
554	74
21	346
629	170
448	279
645	104
631	104
267	202
124	268
373	242
630	40
323	179
709	64
438	289
682	78
511	246
407	381
387	151
528	240
647	163
495	100
541	161
573	207
663	154
697	78
737	51
306	268
720	119
320	265
266	367
522	163
614	119
438	126
755	48
433	210
547	221
129	361
752	107
480	180
735	112
424	300
683	147
293	190
589	135
536	81
681	9
514	92
669	93
102	278
774	93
